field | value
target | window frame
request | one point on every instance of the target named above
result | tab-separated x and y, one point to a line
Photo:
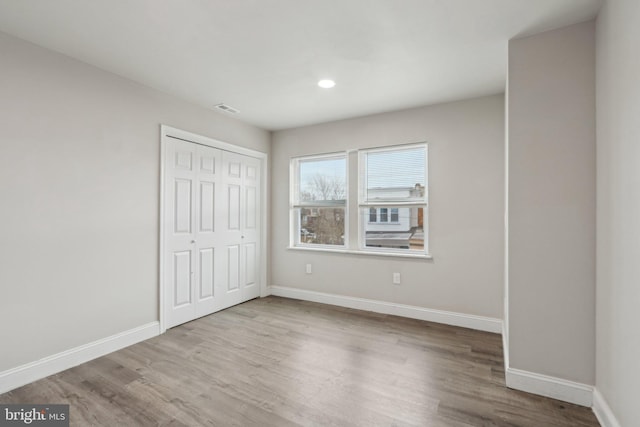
295	205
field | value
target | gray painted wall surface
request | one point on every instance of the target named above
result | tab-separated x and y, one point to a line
618	280
551	180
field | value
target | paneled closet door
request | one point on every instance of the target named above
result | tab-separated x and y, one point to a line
241	228
191	264
250	238
209	208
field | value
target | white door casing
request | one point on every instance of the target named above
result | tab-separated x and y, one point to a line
211	249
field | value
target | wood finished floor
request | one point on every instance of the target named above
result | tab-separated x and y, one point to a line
281	362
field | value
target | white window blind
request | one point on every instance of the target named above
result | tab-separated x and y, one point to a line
393	176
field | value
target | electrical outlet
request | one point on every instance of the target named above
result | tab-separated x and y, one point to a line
396	278
308	269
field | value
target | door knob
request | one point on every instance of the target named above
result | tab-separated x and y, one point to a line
193	241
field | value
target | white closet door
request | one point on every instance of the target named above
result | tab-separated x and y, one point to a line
250	238
180	221
211	230
208	209
241	228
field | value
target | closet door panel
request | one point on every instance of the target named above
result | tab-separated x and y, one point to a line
208	205
179	212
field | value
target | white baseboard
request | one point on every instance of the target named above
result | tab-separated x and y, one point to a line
544	385
25	374
488	324
603	412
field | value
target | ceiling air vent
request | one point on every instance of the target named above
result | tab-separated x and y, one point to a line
226	108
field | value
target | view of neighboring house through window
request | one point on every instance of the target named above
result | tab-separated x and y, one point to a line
393	200
319	199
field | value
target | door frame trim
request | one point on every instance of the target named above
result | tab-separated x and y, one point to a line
171	132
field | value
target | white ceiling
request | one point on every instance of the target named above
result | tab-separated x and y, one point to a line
264	57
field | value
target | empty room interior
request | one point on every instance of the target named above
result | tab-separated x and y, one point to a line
300	213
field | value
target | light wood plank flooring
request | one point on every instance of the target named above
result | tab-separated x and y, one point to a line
281	362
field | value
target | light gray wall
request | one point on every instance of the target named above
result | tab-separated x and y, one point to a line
79	187
466	184
618	279
551	206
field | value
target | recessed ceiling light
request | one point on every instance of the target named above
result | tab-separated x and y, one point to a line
326	84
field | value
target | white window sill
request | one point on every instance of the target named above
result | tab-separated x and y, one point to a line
360	252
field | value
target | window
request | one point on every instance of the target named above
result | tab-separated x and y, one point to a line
394	214
393	198
391	201
373	215
384	215
319	199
